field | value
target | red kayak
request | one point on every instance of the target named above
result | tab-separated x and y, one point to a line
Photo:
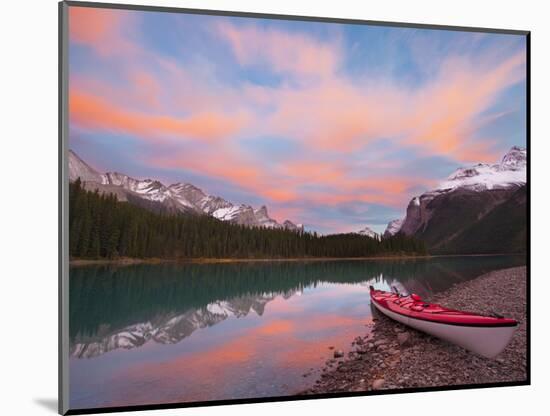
484	335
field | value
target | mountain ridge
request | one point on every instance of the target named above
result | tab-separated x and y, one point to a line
368	232
178	197
452	217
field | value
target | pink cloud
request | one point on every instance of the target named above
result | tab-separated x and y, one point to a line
147	87
341	114
344	115
103	30
96	113
284	182
449	108
329	114
332	112
229	165
283	52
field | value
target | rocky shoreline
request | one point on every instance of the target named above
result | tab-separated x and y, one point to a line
393	356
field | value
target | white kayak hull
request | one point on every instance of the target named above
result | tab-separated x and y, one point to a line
486	341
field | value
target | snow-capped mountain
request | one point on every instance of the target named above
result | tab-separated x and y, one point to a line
368	232
148	188
180	197
289	225
511	171
451	216
393	227
172	328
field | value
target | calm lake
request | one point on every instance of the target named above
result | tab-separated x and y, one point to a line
147	334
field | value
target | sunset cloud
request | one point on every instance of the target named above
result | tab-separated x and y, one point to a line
343	116
103	30
282	52
448	110
306	118
96	113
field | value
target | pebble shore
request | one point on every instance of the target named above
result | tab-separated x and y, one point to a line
393	356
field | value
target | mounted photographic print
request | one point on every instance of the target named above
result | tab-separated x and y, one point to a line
263	207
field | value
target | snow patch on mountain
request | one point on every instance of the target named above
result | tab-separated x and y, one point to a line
174	328
393	227
183	197
511	171
148	188
368	232
226	214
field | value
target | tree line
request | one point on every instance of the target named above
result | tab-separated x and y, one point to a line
100	226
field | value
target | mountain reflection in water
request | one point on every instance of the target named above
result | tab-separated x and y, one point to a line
125	307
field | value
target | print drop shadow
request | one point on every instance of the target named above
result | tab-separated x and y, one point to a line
49	404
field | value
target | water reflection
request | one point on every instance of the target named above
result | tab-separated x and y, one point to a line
124	307
167	327
147	334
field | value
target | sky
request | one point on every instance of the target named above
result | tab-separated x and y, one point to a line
335	126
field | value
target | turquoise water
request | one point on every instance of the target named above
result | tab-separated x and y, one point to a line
147	334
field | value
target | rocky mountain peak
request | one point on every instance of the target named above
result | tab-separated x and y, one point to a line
178	197
393	227
368	232
80	169
262	211
469	206
510	172
289	225
515	159
185	186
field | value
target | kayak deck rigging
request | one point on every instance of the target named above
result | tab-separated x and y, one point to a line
414	307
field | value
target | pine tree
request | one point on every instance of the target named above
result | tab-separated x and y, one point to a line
101	226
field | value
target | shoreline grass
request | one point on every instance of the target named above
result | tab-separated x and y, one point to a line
131	261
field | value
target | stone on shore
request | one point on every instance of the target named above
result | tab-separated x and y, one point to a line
404	339
377	384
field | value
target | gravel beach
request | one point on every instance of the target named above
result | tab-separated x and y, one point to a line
392	356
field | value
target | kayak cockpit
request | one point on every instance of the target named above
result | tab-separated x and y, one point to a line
413	306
